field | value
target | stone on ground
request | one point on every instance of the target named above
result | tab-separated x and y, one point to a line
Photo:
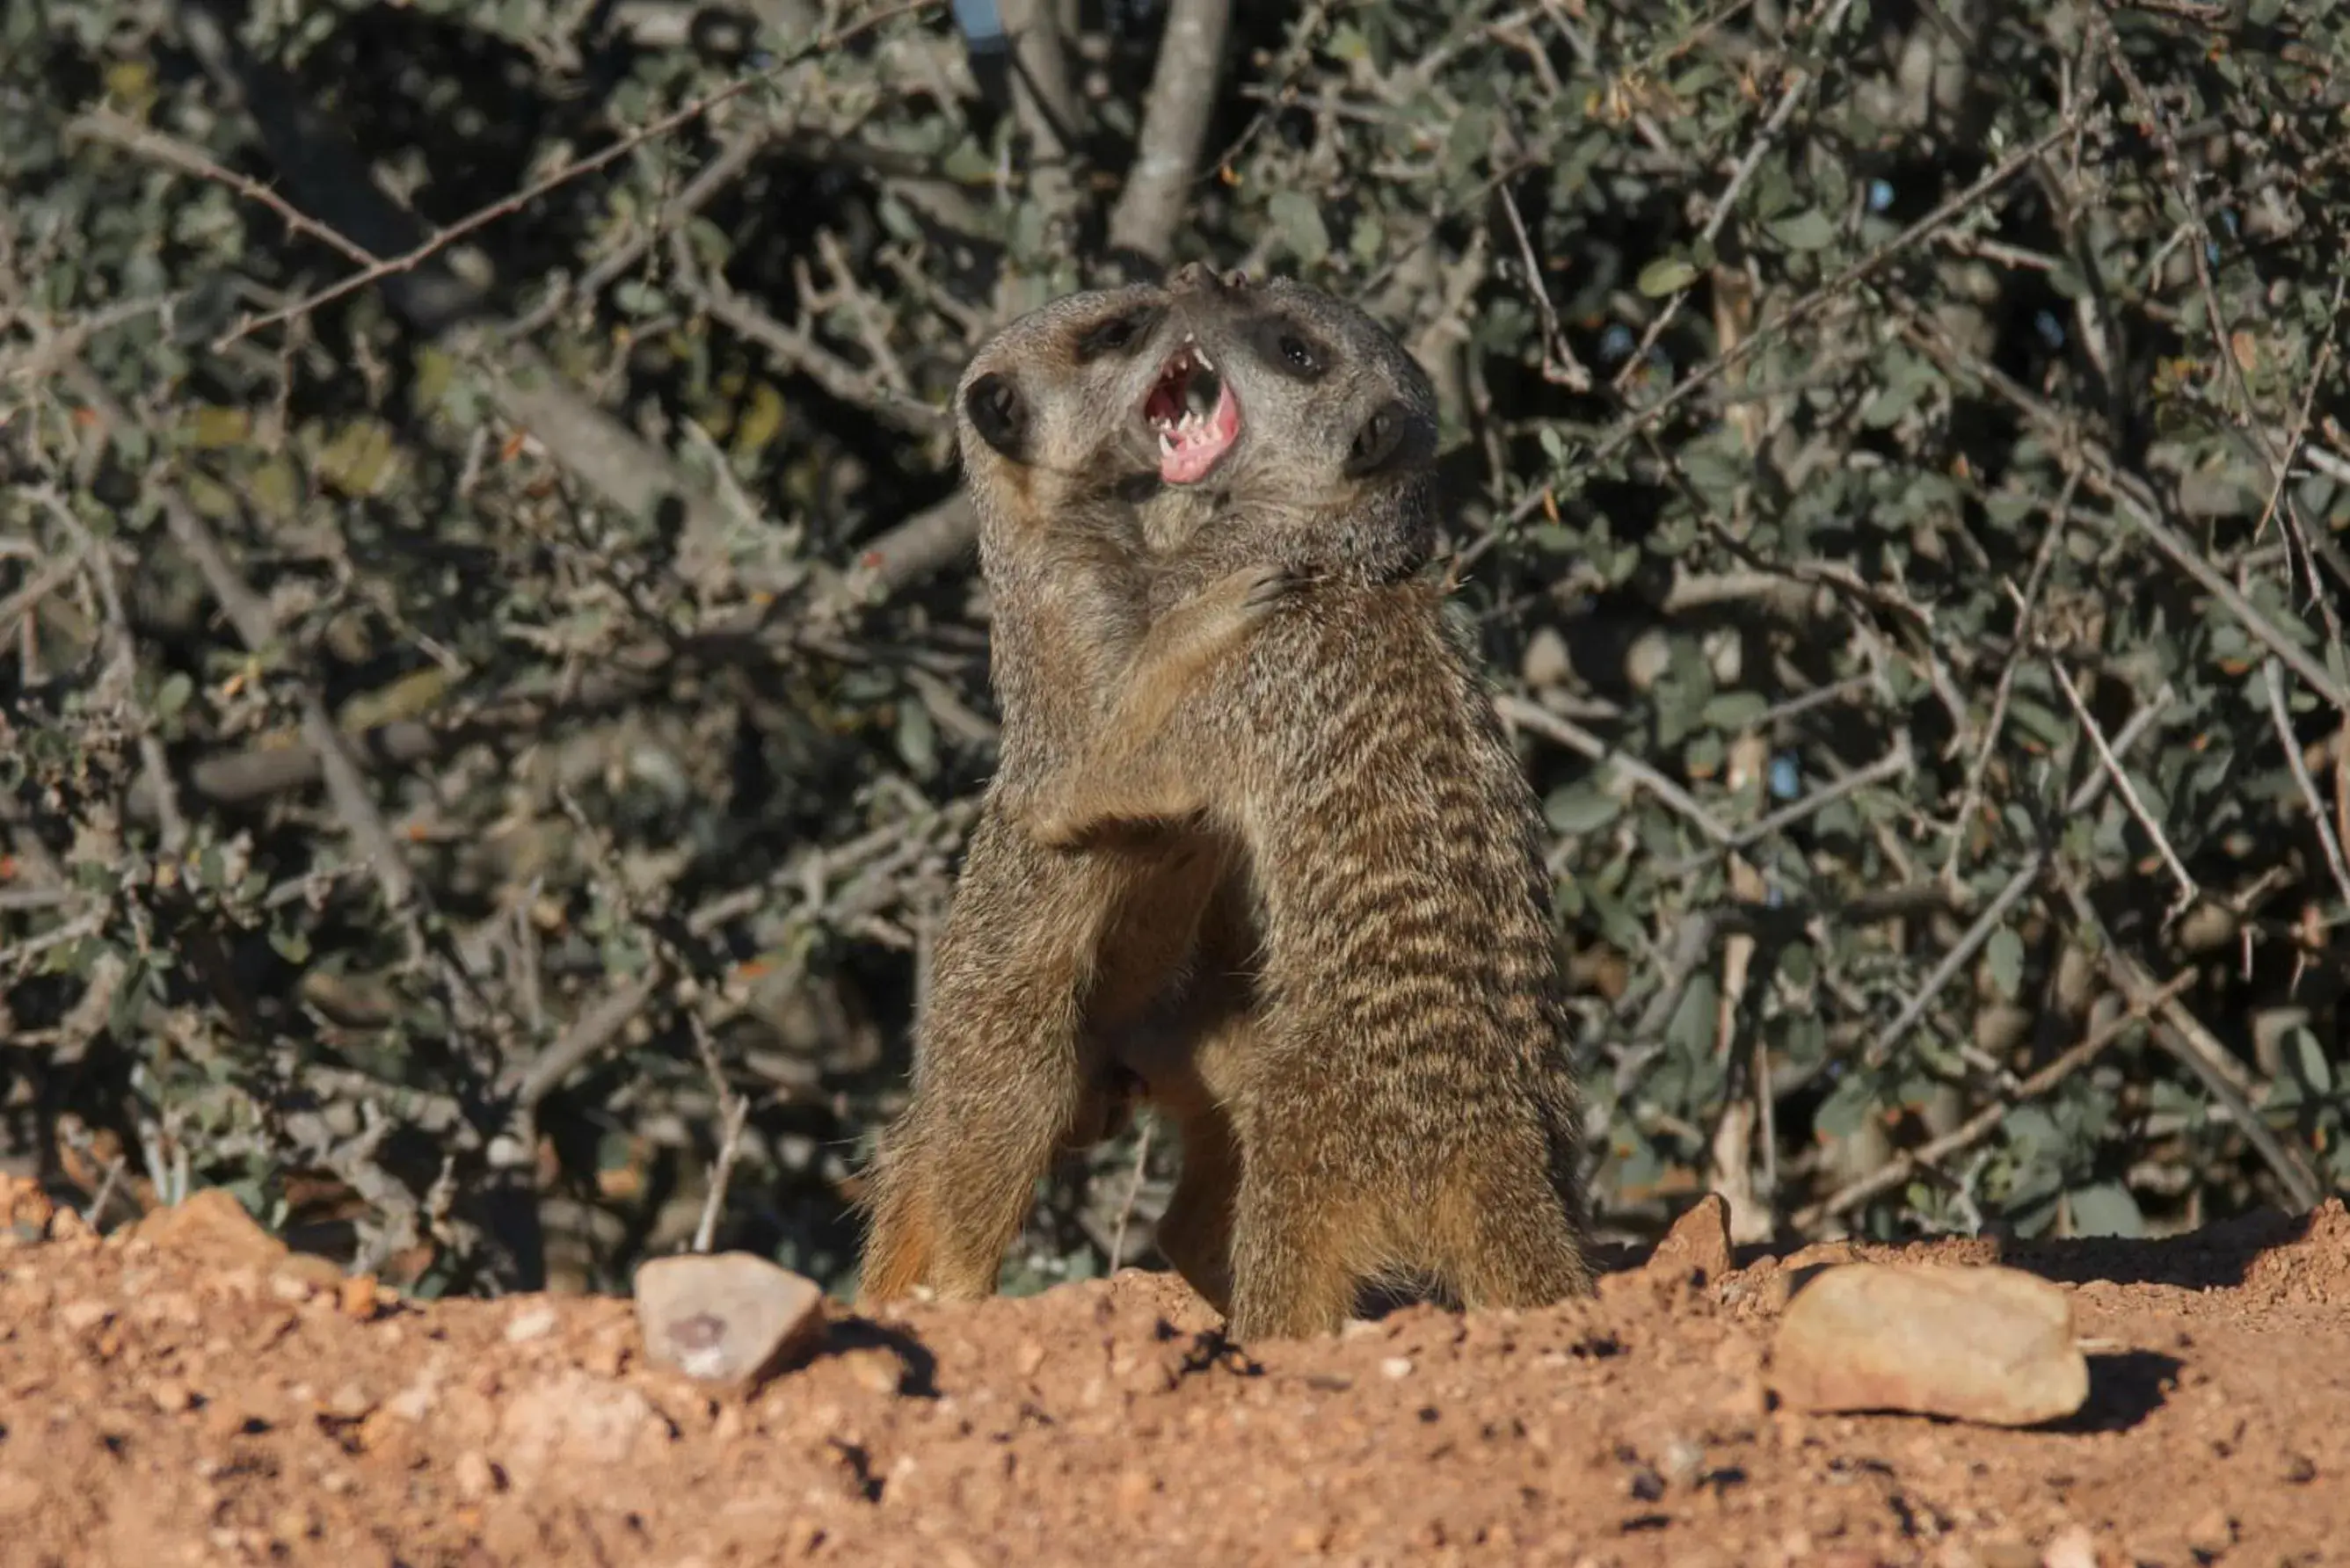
1989	1344
723	1317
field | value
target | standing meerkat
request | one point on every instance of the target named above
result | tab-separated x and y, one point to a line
1400	1106
1050	960
1393	1107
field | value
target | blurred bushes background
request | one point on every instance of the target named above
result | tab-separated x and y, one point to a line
495	678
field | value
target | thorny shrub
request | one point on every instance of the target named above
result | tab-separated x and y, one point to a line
497	682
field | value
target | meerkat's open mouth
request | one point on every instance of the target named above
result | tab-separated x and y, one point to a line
1194	414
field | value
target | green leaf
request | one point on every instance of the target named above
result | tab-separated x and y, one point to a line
1665	275
917	738
1735	710
2031	1130
2106	1210
1696	1021
1580	808
2315	1070
1298	219
173	694
1846	1106
1809	230
2004	953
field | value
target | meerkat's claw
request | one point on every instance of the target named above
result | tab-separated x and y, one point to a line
1273	585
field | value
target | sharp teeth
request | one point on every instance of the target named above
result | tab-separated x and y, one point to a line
1201	355
1166	444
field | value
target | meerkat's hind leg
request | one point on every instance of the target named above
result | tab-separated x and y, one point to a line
900	1227
1515	1240
1195	1233
1302	1246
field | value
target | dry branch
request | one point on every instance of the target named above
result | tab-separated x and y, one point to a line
1174	128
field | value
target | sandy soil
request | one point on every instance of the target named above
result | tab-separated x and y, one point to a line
193	1396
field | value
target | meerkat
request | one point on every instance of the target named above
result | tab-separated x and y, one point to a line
1129	577
1051	962
1400	1107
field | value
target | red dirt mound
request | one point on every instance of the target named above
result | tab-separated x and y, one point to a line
193	1396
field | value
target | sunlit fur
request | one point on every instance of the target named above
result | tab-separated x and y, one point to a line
1294	879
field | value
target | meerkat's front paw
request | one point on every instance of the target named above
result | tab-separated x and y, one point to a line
1254	592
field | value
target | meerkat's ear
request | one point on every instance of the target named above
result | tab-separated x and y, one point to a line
1388	440
997	411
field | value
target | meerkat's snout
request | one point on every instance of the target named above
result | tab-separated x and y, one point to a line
1194	413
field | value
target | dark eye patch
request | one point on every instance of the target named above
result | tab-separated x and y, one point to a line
1000	415
1291	349
1391	439
1116	335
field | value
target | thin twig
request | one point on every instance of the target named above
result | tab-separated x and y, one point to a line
2185	1037
1980	1126
92	1214
1896	764
2188	890
813	48
1133	1191
256	626
1801	81
118	129
1575	738
597	1025
2026	605
122	656
2135	501
1632	425
735	153
1951	962
2272	676
730	1144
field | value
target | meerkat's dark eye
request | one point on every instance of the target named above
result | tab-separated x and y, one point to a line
1115	335
1287	346
1381	443
995	411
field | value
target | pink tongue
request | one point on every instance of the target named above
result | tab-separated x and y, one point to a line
1198	452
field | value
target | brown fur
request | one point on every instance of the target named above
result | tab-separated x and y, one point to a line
1292	763
1052	963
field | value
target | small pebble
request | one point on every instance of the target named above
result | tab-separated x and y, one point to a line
723	1317
476	1477
81	1317
533	1322
2071	1547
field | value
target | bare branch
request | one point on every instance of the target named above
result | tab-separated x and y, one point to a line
925	542
415	254
1047	107
2185	1037
2272	676
1174	128
1980	1126
122	659
256	628
599	1025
